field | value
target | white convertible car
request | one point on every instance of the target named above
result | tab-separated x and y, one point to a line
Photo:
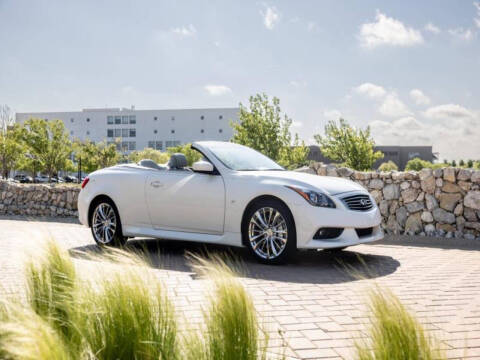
233	196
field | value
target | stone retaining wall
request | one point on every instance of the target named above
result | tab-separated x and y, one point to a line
441	202
39	200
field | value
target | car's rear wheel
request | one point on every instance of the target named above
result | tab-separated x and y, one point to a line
269	231
106	225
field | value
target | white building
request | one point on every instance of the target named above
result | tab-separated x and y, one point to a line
138	129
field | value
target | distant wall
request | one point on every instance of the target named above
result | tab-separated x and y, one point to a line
38	200
441	202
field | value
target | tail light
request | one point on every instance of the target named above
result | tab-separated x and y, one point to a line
85	182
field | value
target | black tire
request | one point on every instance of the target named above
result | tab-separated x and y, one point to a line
114	236
264	256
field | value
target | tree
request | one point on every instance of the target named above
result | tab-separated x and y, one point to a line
6	118
262	127
96	155
192	155
454	163
461	163
388	166
48	143
12	149
470	163
347	145
148	153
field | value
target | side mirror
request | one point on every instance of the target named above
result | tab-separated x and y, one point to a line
203	167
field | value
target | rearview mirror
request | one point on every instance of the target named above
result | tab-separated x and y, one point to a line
202	167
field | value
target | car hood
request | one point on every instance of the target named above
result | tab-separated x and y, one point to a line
327	184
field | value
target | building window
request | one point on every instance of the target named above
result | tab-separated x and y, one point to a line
124	132
110	120
133	133
172	131
173	118
88	132
125	146
151	144
124	119
133	119
158	145
202	117
110	133
155	118
155	131
220	117
71	120
118	132
220	130
177	143
46	119
132	145
71	132
168	144
88	119
202	131
118	120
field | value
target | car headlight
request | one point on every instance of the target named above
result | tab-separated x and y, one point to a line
314	198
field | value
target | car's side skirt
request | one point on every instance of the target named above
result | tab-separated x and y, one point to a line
228	238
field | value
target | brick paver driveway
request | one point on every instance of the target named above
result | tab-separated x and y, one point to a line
315	302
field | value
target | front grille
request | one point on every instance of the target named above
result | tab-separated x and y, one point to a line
358	202
364	232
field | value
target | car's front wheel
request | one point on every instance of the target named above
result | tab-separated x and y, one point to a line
106	225
269	231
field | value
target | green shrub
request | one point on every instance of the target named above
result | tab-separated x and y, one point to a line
232	330
388	166
394	333
128	317
123	314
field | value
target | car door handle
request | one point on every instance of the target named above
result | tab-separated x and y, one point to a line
156	184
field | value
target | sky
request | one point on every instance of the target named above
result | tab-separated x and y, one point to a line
408	69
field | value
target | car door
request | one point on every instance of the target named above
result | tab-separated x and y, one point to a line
182	200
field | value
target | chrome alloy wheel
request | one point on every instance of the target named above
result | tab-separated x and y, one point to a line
104	223
267	233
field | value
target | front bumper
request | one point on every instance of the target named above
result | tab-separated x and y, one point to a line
309	219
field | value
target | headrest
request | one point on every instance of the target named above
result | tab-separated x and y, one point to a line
150	164
177	161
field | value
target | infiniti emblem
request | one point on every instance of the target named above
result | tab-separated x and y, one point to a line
363	202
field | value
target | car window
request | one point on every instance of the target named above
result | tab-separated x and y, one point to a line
242	158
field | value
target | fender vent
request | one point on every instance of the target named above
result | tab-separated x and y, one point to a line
327	233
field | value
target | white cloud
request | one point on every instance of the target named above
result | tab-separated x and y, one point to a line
419	97
443	134
297	124
370	90
312	26
217	90
271	17
392	106
388	31
298	84
461	33
185	31
447	111
332	114
432	28
477	19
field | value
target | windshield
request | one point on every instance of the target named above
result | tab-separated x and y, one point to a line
238	157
